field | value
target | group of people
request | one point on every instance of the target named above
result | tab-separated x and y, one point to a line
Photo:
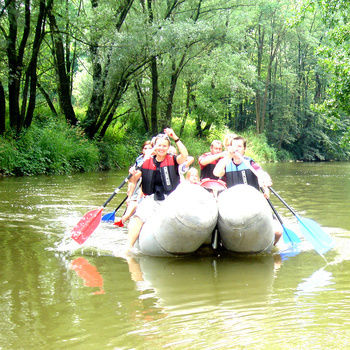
161	167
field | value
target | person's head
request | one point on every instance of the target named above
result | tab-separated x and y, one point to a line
146	146
228	140
192	176
161	144
239	144
216	147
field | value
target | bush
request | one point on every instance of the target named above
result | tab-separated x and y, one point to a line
52	148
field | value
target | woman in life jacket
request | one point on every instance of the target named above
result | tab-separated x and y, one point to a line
160	176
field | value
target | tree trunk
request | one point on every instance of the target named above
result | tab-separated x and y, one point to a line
170	100
155	92
97	96
2	109
32	68
15	61
142	105
154	78
60	65
260	42
48	99
187	106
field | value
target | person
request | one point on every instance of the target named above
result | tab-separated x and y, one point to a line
208	161
192	176
160	176
134	187
236	168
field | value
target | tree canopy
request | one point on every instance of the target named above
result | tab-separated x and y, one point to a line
278	67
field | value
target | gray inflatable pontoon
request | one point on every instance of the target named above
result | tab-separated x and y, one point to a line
245	220
184	222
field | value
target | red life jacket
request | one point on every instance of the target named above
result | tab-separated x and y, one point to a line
168	171
207	170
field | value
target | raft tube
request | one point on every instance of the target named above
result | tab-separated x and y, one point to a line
245	220
185	221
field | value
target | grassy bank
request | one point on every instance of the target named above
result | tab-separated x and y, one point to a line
53	147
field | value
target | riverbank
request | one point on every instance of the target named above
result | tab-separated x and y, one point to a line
53	147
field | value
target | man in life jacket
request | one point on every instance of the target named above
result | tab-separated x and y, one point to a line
236	168
208	161
160	176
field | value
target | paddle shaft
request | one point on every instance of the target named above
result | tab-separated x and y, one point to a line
117	190
89	222
275	211
123	201
283	201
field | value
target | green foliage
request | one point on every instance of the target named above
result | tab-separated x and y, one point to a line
53	148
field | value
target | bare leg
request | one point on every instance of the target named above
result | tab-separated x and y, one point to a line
278	230
135	226
129	211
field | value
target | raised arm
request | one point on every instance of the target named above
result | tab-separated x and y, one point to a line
183	153
207	159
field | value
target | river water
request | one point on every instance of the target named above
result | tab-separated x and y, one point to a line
55	294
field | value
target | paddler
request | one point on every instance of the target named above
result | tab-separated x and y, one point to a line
160	176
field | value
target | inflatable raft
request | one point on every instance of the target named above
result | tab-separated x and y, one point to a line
191	214
245	222
184	222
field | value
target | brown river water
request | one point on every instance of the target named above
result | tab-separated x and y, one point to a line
55	294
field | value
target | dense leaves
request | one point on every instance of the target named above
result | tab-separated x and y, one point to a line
280	68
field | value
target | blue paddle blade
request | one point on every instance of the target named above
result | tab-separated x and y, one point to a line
321	241
289	253
289	236
109	217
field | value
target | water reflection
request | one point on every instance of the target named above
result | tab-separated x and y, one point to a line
207	281
88	273
277	301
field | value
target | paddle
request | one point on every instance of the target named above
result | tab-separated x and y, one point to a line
290	237
320	240
111	216
311	230
87	225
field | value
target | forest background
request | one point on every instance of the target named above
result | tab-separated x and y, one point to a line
83	83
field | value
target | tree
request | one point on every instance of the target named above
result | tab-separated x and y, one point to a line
21	62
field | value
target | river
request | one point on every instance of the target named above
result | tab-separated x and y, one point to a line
55	294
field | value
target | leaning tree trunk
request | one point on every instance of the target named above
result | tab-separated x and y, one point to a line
64	95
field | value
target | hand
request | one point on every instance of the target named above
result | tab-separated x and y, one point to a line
266	192
132	170
170	132
149	153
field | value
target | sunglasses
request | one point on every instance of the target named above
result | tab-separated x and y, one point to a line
162	136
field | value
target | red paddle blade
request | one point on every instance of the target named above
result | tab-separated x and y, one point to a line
119	223
87	225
